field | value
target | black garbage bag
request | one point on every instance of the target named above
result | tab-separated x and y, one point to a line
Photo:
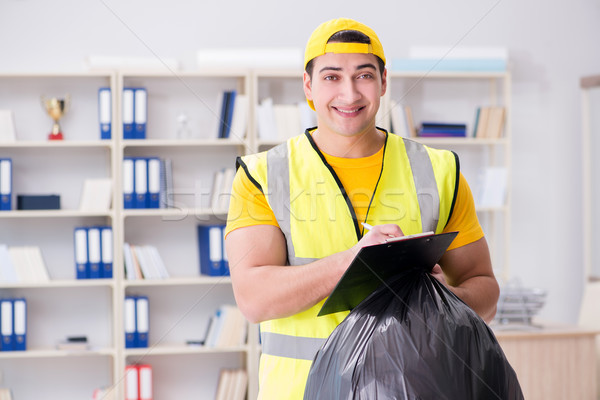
412	339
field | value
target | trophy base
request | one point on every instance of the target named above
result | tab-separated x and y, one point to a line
55	136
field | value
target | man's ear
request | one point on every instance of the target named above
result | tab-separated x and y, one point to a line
307	85
384	81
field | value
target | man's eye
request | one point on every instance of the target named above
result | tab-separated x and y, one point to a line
329	78
365	76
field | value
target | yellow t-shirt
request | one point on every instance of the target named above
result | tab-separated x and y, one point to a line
359	176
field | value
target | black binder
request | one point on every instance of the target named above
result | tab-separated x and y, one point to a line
373	265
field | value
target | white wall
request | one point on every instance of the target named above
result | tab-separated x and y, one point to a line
552	44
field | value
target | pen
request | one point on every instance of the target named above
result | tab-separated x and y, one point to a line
366	226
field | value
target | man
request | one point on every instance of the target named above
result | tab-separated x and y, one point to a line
296	210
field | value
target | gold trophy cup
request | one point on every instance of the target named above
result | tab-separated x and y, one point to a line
56	108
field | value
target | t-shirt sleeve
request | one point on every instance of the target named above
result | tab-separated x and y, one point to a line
248	205
464	217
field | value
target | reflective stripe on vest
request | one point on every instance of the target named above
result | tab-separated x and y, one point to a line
298	347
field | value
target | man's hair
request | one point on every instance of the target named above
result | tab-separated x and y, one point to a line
349	36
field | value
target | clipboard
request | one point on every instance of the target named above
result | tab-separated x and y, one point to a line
376	264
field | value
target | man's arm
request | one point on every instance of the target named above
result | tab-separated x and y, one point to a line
468	272
265	288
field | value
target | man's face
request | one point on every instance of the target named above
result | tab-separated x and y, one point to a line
346	91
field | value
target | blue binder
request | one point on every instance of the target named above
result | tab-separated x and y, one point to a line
94	253
141	183
129	182
5	184
128	113
105	112
225	265
20	324
210	245
140	115
153	182
229	113
106	248
129	322
142	325
6	325
80	242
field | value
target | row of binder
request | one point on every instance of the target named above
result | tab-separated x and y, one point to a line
136	318
146	181
138	382
93	252
5	184
135	105
213	259
13	324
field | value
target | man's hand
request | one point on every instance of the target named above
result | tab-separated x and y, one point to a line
438	274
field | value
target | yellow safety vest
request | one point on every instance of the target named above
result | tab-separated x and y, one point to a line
416	190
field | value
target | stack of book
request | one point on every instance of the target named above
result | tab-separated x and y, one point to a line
279	122
143	262
226	328
22	264
489	122
221	190
233	115
233	384
442	129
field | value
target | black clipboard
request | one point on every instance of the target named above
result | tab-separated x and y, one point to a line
375	264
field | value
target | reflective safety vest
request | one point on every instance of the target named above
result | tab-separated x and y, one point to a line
416	190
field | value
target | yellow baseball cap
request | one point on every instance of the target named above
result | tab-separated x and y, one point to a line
317	43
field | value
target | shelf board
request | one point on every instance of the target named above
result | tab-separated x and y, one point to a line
182	142
195	280
173	212
448	74
58	144
182	349
469	141
53	213
62	283
53	353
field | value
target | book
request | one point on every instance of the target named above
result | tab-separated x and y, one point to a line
7	126
495	123
373	265
96	195
105	112
442	129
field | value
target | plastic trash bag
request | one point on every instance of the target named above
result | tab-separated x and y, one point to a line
412	339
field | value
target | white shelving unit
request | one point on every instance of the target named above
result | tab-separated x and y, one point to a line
181	306
63	306
455	97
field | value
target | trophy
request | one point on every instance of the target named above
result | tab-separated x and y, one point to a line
56	108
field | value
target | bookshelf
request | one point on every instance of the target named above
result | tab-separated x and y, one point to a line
56	308
455	97
180	305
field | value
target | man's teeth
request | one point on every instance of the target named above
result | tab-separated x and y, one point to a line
348	111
